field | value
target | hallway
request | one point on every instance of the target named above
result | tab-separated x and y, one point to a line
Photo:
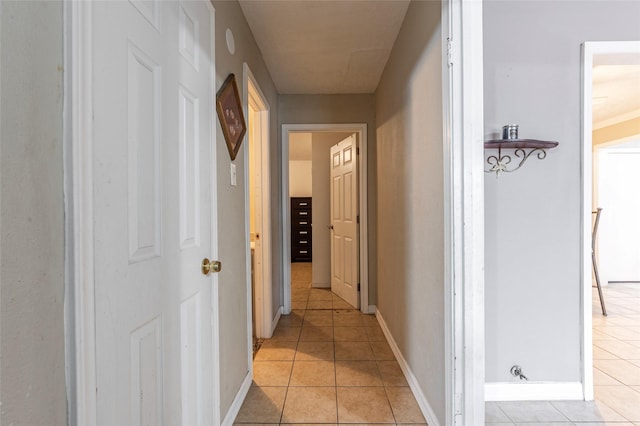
327	363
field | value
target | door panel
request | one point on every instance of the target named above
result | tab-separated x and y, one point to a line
189	168
344	221
153	215
146	373
143	121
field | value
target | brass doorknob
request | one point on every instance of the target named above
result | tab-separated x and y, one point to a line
210	266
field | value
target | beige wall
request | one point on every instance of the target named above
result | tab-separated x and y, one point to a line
532	217
411	199
300	179
337	109
231	203
320	146
32	365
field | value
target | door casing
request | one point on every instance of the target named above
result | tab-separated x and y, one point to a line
255	99
361	130
463	154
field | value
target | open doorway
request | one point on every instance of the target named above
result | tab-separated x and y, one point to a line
323	189
258	217
611	116
298	169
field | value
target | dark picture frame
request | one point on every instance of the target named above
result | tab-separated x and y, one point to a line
229	109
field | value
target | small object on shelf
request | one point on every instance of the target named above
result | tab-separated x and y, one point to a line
524	148
510	132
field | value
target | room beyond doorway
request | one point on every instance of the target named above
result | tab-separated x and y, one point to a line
291	136
594	117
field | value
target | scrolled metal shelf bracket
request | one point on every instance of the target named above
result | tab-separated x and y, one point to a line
523	149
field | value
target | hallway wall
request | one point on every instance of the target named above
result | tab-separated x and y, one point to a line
231	202
337	109
532	217
411	199
32	358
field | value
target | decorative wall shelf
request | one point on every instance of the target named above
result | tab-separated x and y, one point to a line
523	149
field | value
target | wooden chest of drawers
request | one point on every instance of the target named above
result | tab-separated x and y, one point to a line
301	229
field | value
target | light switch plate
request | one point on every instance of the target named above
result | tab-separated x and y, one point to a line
233	175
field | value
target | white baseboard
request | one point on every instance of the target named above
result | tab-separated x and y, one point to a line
320	285
274	323
425	407
553	391
238	400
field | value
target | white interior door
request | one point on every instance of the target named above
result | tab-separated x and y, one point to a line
344	220
154	212
619	229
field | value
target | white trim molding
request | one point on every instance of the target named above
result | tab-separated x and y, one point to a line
253	96
550	391
463	112
274	323
361	129
81	106
215	249
234	409
423	403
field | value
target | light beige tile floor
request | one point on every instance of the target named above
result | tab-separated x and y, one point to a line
327	364
616	354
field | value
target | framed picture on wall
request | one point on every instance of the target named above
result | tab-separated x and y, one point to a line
229	109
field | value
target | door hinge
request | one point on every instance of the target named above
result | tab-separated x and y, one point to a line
358	219
449	52
358	286
458	404
357	151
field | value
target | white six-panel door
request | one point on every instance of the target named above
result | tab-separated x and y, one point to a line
344	220
152	88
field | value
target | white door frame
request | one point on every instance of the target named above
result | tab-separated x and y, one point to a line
463	113
361	130
78	170
590	49
79	249
264	279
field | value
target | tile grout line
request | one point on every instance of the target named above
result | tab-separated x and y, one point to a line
335	367
286	392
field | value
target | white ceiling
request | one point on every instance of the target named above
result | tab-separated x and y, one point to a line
329	47
325	47
616	89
